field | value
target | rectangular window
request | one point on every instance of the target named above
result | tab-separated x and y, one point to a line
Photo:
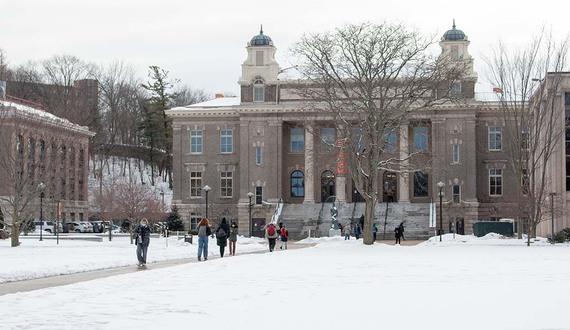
297	140
226	184
258	155
196	142
420	184
195	217
195	184
420	139
258	58
226	141
390	142
456	89
495	138
456	191
327	139
455	153
258	195
495	182
258	93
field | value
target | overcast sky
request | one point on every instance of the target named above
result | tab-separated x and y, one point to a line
202	43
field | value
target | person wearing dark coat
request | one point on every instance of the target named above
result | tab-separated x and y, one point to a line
222	236
142	240
233	237
397	234
401	227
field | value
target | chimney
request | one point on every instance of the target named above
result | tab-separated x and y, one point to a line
2	89
219	95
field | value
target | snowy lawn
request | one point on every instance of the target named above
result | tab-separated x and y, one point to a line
466	283
35	259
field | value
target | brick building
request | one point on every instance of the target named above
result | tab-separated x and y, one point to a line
36	147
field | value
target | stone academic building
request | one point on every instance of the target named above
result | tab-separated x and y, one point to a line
256	150
39	147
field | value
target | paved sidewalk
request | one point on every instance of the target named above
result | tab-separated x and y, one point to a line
52	281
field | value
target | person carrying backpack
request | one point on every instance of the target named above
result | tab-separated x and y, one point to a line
203	232
271	235
222	236
284	237
233	237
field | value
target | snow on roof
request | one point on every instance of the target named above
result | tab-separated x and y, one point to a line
43	115
215	103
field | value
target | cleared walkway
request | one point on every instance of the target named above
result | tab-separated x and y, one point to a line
53	281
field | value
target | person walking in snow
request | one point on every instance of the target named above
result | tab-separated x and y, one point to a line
397	234
142	240
233	238
284	236
374	231
203	232
271	235
347	230
222	236
401	226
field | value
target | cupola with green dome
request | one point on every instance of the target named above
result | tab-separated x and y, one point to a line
260	39
454	34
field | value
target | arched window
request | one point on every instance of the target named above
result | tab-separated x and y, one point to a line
297	184
258	91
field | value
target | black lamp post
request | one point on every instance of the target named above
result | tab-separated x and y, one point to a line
206	189
41	188
250	195
552	195
440	185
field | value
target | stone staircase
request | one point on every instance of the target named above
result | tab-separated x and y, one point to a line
304	220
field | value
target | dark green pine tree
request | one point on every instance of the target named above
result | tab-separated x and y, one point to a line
156	127
174	221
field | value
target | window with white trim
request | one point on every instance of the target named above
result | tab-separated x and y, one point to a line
258	195
495	138
495	182
258	91
226	184
258	155
455	159
195	184
456	193
196	146
226	141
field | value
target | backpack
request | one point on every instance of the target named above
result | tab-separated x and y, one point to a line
284	233
271	231
202	231
220	233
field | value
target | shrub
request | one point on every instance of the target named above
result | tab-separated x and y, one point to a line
561	236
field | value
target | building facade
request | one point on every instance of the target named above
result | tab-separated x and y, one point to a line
263	153
38	147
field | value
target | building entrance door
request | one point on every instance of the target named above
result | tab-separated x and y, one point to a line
258	227
327	185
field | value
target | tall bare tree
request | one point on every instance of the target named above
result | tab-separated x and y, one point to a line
529	80
371	79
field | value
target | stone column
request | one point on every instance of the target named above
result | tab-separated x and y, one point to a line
309	166
404	178
340	178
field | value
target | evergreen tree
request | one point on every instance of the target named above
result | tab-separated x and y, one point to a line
174	221
156	128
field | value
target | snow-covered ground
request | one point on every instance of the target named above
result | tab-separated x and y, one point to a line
461	283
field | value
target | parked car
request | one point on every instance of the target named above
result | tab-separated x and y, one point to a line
88	226
48	226
78	227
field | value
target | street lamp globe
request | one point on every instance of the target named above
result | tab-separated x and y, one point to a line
206	189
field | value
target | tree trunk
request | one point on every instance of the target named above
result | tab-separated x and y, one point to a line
367	234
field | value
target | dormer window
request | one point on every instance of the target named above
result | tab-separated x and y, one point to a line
258	91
